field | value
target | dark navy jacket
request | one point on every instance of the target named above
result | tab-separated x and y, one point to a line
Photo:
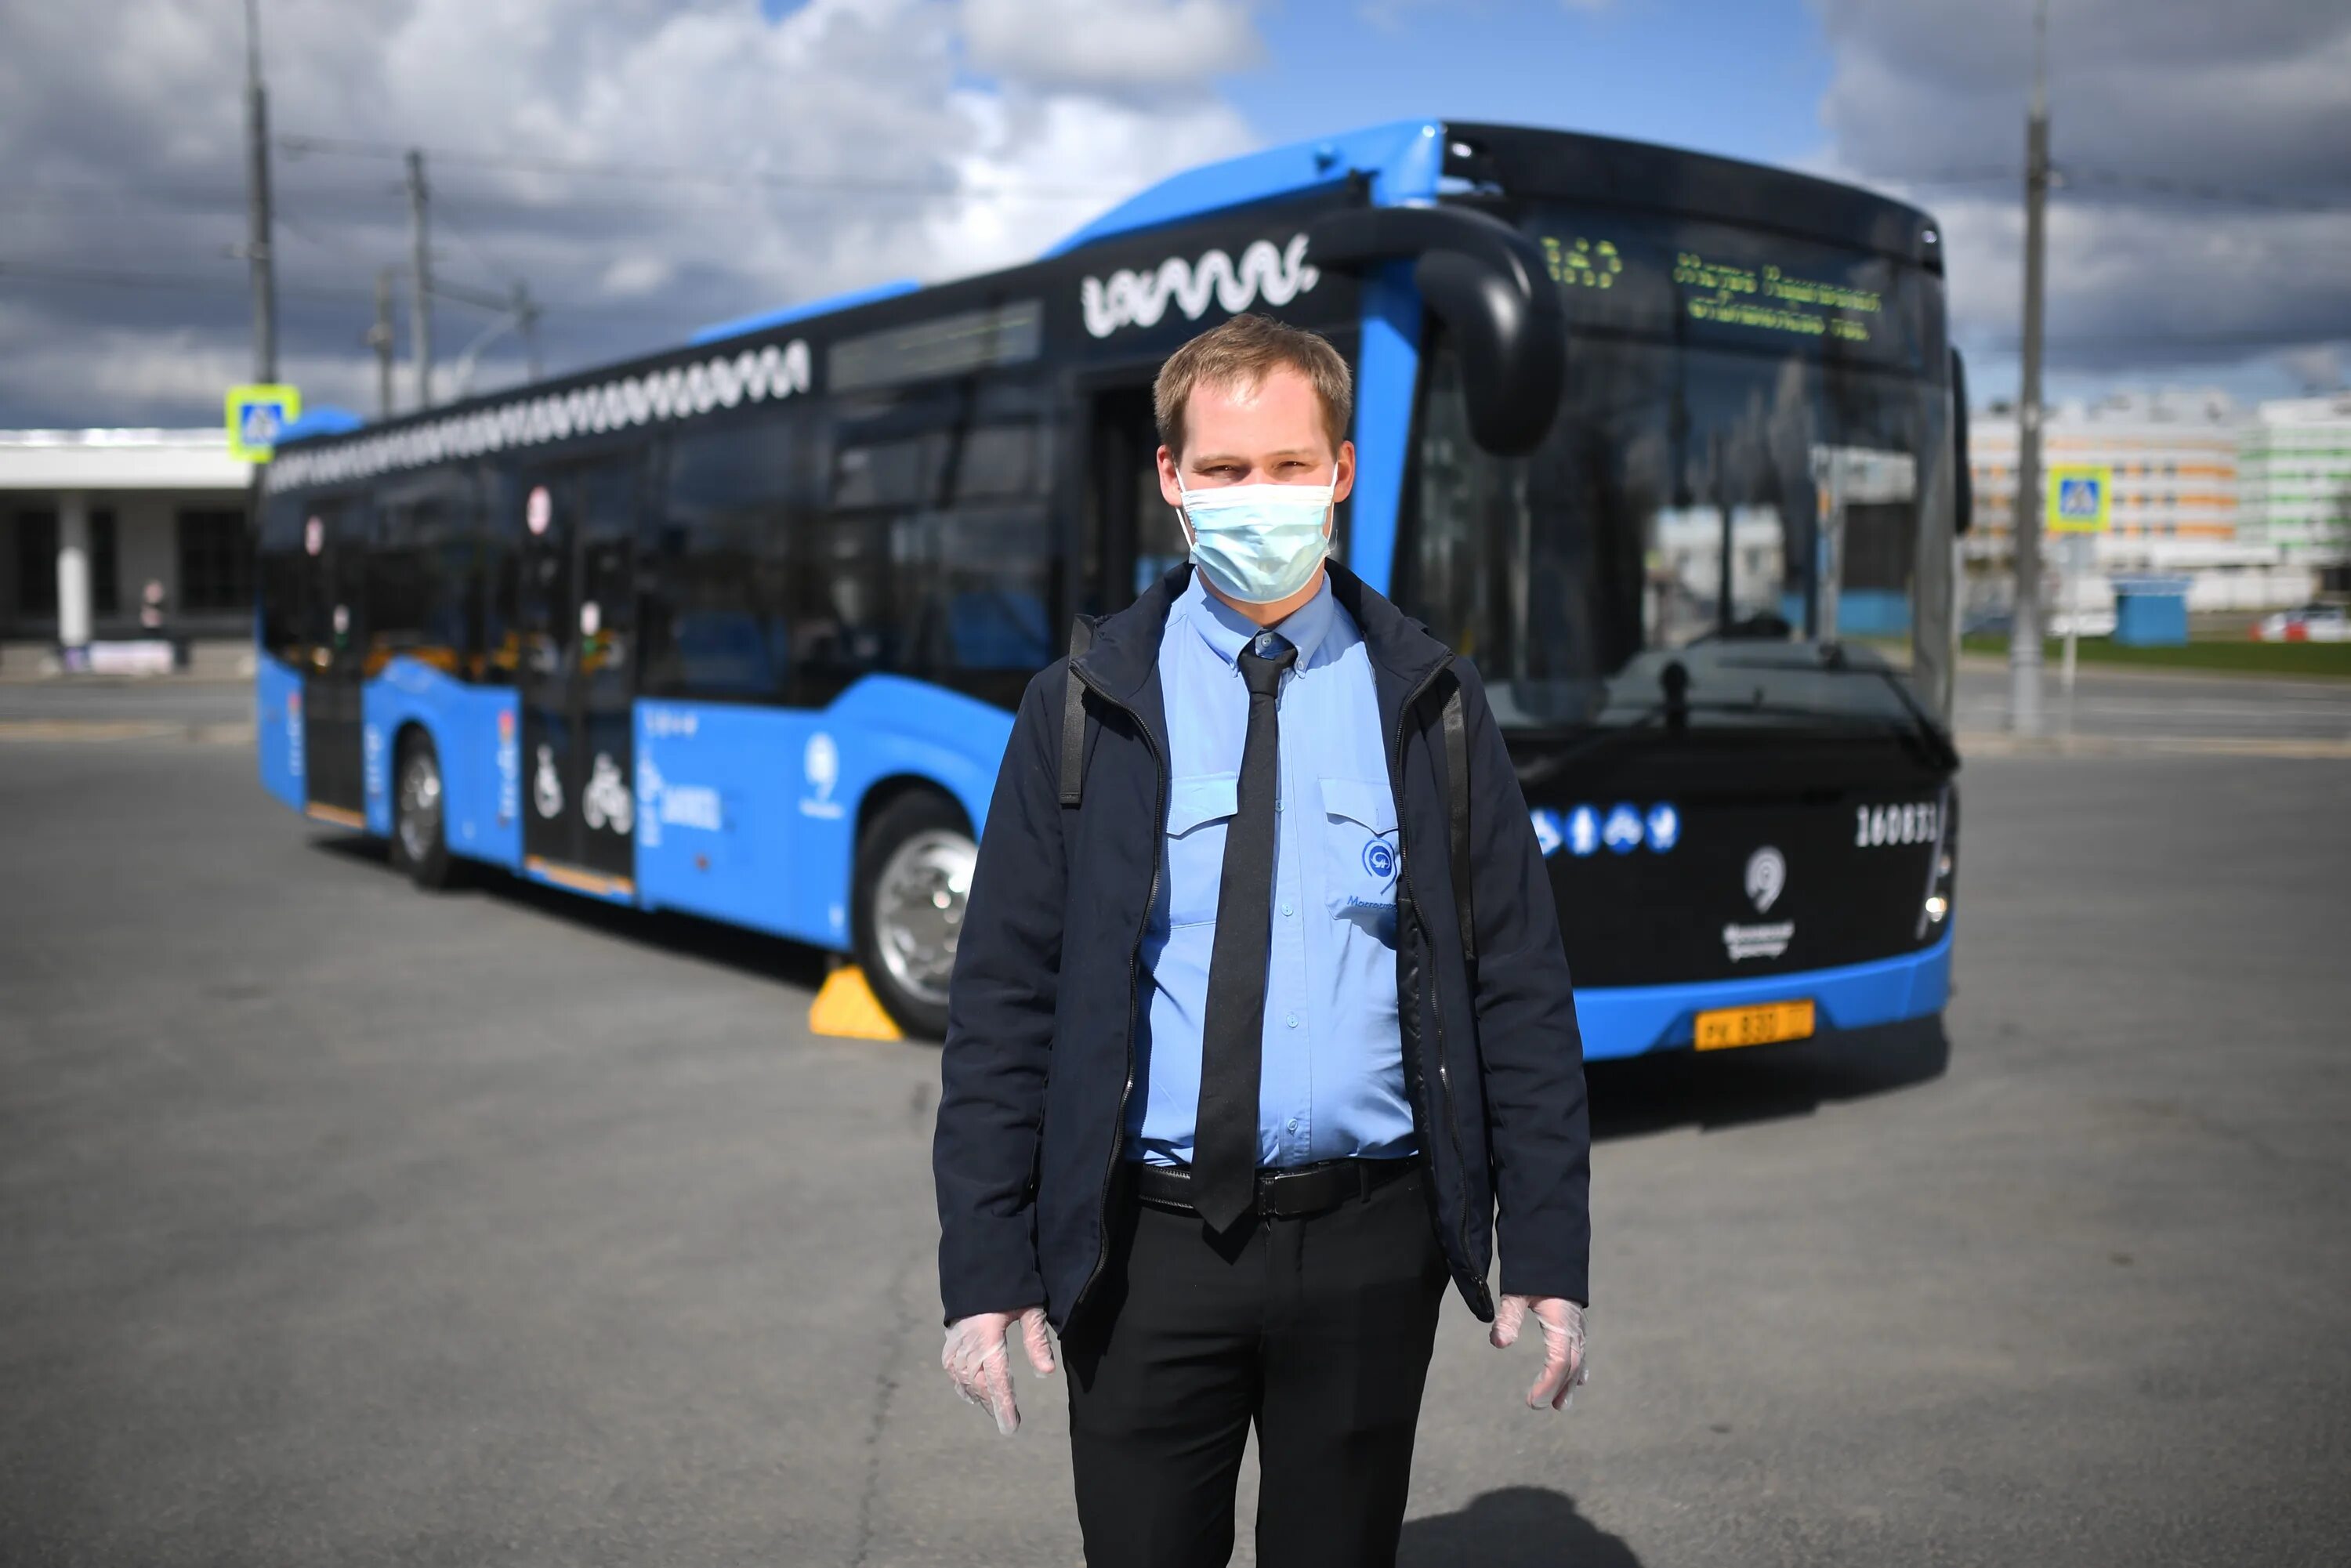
1039	1057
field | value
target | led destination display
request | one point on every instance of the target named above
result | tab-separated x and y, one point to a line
1713	284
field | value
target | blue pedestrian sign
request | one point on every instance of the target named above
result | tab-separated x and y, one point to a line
2081	498
258	416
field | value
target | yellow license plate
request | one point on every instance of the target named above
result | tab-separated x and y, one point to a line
1762	1025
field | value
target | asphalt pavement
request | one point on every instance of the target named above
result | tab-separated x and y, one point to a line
2114	709
344	1223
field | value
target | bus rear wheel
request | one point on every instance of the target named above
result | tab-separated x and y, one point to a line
915	862
419	842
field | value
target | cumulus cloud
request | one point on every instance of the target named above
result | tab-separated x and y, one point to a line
646	165
1120	45
2204	204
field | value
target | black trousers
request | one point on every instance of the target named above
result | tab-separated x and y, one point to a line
1317	1329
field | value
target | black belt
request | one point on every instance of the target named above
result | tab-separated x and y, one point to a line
1284	1193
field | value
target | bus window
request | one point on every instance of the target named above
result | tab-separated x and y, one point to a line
939	558
716	577
422	574
280	579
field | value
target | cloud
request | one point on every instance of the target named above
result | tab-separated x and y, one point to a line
1110	44
648	166
2205	202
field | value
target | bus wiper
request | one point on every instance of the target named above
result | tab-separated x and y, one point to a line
1673	709
1918	735
1934	747
1940	752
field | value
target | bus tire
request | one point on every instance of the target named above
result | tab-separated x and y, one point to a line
420	839
915	862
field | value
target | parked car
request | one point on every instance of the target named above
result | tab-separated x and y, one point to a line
2311	623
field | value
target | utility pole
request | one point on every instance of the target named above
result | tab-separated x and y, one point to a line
420	308
256	197
380	338
2025	625
525	315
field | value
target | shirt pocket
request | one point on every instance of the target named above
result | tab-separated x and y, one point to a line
1199	810
1360	854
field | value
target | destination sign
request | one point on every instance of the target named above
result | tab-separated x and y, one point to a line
1715	283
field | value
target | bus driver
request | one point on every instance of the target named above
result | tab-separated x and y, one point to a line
1236	1076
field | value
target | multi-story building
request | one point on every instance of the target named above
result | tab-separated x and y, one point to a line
2294	482
2174	455
2179	459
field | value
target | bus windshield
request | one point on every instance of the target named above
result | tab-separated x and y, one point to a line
1749	450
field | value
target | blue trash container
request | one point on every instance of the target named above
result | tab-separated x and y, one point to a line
2151	612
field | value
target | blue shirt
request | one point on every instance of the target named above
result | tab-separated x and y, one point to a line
1332	1082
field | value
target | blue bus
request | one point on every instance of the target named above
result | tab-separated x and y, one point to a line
1671	445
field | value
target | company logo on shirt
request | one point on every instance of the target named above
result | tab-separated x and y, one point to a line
1380	859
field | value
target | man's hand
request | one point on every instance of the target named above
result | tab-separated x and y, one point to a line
1562	1332
976	1359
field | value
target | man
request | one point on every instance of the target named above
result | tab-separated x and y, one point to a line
1256	1016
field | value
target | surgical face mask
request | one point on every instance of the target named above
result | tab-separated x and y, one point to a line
1258	543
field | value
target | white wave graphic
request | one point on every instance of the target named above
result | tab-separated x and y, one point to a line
680	392
1140	299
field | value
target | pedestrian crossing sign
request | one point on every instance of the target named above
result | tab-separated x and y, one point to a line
2081	498
256	415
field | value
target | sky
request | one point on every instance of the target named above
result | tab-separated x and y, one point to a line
650	166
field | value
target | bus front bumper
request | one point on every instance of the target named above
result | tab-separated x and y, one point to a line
1629	1021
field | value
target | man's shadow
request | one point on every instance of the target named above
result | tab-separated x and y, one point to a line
1640	1094
1517	1527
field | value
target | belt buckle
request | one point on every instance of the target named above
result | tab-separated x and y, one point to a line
1266	1177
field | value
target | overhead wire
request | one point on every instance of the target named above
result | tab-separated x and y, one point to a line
345	146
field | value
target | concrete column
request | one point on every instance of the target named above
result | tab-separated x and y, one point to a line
73	571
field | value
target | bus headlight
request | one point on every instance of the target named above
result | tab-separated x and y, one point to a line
1943	885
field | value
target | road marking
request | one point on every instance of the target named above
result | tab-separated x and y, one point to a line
2000	743
71	729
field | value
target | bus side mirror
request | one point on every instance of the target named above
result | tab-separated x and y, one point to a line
1963	477
1487	284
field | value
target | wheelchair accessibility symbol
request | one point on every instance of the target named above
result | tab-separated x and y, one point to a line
1380	859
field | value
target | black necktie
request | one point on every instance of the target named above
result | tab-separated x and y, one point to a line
1232	1043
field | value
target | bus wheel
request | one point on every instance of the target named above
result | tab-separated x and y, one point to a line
419	845
913	878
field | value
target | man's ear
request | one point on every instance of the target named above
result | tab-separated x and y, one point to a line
1171	483
1342	482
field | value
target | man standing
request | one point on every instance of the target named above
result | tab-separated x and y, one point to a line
1260	1011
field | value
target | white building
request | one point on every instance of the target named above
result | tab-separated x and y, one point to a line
90	518
2174	455
2179	459
2294	481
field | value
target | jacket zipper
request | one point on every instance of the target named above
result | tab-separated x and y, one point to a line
1134	974
1435	1002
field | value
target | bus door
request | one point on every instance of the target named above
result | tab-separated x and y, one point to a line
1132	535
334	568
578	622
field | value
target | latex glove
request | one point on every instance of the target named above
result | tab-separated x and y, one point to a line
976	1358
1564	1369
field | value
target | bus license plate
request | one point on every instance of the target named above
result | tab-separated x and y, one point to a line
1726	1027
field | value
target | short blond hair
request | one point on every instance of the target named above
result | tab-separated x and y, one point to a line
1239	353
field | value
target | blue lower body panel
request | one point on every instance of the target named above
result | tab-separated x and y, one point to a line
474	734
277	729
1628	1020
750	814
